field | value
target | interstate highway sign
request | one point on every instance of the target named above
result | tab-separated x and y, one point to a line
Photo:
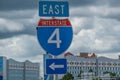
54	35
56	66
53	9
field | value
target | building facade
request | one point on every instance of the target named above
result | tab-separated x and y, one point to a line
14	70
3	71
31	71
94	64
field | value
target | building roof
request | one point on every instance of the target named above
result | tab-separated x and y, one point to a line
100	59
86	55
103	59
68	54
92	55
83	54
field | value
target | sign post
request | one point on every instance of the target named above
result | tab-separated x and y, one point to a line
55	76
46	76
54	35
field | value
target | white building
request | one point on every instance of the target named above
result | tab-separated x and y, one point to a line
14	70
85	62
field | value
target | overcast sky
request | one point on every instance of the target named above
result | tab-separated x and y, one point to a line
96	26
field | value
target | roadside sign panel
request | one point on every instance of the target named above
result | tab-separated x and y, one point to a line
53	9
56	66
1	77
54	35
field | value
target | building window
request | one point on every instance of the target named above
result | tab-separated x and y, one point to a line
99	63
82	63
87	63
118	64
103	63
114	64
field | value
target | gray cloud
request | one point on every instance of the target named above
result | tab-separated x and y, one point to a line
33	4
102	37
20	46
91	11
18	33
78	3
113	16
114	3
18	14
28	30
18	4
12	26
80	23
95	24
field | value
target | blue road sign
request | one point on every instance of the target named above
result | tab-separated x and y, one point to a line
53	9
1	77
54	35
56	66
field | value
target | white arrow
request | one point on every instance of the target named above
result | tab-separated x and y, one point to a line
53	66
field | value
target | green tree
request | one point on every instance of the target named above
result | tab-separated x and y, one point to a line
96	78
90	70
112	75
79	75
68	76
118	78
106	72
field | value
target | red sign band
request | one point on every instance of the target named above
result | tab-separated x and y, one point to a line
54	22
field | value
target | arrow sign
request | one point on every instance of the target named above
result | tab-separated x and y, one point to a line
53	66
56	66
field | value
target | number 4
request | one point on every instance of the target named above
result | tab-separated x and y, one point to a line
57	41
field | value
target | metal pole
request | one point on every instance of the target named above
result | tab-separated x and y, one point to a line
55	75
